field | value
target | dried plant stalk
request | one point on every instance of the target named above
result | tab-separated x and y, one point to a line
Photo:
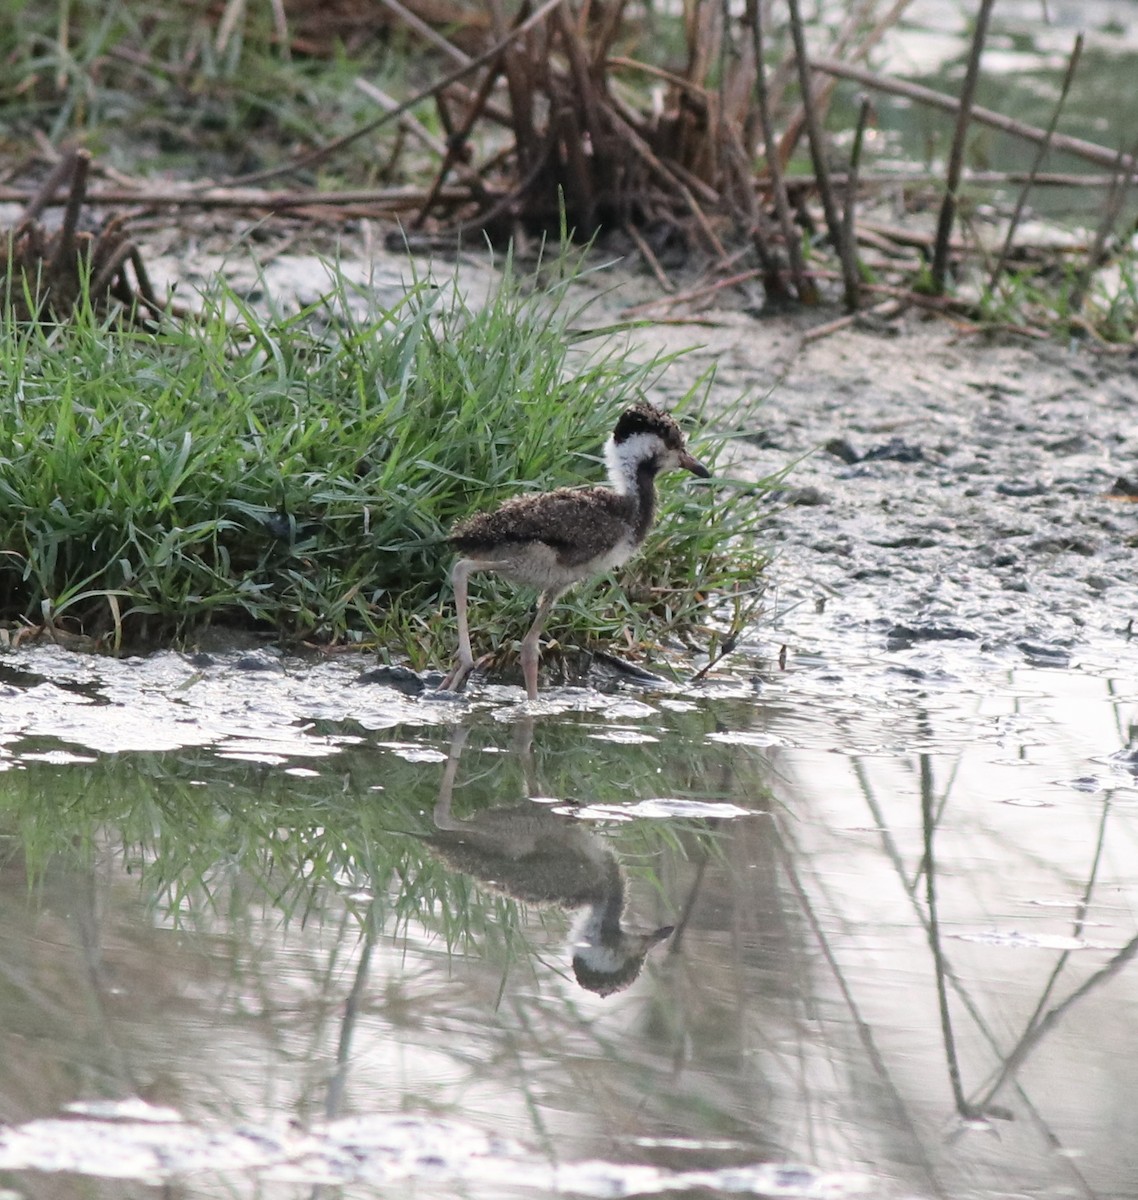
956	156
43	275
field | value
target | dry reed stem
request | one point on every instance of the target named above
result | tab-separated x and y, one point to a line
845	249
846	48
803	286
939	270
456	145
1037	162
44	275
848	221
427	32
649	257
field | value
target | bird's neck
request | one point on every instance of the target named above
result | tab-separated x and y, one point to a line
633	475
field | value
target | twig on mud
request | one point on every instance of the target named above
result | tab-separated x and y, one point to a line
649	257
398	199
697	293
387	199
1037	162
960	312
916	238
956	156
882	311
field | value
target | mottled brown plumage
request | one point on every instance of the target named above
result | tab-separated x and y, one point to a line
552	540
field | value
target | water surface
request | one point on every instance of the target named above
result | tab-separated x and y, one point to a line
283	948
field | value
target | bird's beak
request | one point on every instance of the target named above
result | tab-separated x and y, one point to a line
693	465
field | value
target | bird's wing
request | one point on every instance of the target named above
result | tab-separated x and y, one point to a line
576	524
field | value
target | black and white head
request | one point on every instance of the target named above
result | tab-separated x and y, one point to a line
646	439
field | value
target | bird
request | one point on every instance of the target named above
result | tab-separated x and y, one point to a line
552	540
542	855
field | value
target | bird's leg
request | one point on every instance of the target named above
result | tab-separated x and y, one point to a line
465	663
442	815
532	640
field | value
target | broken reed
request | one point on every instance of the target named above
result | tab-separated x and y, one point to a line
301	477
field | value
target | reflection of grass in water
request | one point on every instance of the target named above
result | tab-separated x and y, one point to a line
255	842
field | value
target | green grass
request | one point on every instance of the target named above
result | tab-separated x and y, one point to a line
192	101
299	472
1043	298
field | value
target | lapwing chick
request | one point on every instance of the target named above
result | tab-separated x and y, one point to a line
552	540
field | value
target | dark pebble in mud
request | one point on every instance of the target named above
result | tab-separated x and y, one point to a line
901	637
1076	443
915	674
1124	486
843	449
993	556
1020	488
895	450
402	679
258	662
805	497
1064	545
1044	656
762	439
910	541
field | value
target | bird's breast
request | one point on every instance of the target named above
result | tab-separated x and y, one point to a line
615	556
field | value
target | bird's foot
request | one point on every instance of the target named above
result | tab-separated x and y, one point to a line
456	680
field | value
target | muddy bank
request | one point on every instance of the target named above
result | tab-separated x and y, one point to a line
949	492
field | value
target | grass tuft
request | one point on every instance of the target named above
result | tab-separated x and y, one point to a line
300	472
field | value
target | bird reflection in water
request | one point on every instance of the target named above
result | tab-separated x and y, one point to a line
538	855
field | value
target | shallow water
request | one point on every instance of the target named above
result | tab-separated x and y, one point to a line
256	958
1025	57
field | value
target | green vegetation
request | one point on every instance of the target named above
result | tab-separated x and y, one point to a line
1063	297
300	472
196	95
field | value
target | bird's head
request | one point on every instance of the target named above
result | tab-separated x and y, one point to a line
645	437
